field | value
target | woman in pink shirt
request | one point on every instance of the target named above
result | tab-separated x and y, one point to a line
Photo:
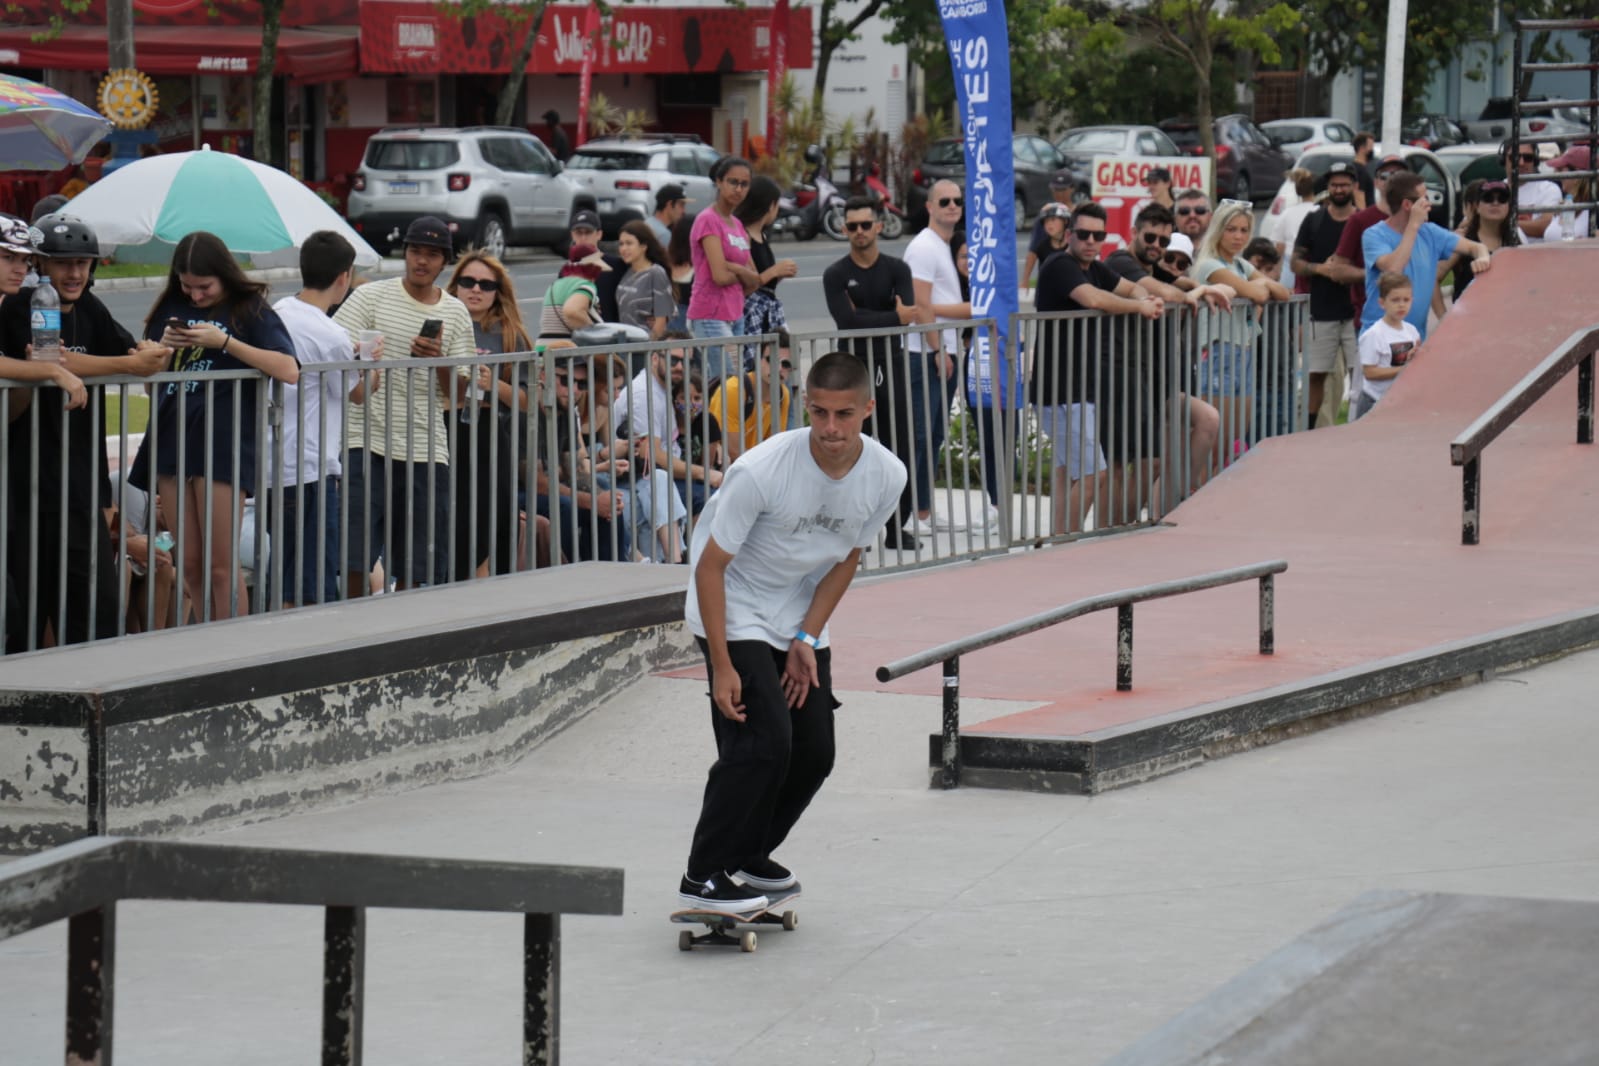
722	271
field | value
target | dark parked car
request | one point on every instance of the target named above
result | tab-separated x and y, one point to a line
1036	163
1079	146
1248	165
1432	131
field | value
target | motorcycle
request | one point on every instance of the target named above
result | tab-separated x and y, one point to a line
893	215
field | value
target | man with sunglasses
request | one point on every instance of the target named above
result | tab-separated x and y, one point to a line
869	289
1532	193
1192	214
1070	374
930	357
1140	264
1332	337
1409	243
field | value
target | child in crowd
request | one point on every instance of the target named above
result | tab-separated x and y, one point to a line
1262	254
1388	344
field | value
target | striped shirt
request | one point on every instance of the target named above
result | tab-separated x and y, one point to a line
396	421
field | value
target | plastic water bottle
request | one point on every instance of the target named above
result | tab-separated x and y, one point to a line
46	320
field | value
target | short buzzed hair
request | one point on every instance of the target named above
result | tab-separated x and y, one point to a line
1155	215
1193	194
323	257
839	372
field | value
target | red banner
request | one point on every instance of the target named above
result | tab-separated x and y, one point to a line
300	13
414	37
585	85
777	68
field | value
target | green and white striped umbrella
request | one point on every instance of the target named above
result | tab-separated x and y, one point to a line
254	208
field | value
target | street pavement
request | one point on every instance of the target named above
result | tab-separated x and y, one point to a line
936	927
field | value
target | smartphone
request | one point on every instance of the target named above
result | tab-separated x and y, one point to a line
431	328
177	324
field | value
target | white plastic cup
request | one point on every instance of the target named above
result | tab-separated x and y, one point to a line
367	343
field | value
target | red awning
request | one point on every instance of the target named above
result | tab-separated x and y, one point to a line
303	55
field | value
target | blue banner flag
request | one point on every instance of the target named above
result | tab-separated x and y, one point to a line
979	52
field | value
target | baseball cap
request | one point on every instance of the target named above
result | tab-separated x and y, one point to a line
1181	244
669	194
1390	160
1346	169
1055	210
1157	174
14	235
586	220
1576	157
430	232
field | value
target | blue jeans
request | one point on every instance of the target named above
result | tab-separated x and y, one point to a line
314	522
929	423
715	361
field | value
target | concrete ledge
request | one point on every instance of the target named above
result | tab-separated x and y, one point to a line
1139	751
278	713
1399	977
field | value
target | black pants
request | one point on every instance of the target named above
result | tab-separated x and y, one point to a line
768	767
91	582
491	515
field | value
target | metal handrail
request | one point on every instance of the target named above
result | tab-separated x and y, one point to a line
949	653
82	882
1465	451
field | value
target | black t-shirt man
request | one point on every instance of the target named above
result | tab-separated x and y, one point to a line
86	327
1070	351
863	298
1317	241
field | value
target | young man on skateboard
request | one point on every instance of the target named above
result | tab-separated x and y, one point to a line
773	553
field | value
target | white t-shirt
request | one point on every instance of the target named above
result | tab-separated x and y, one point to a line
404	418
1286	233
1382	345
1568	226
786	524
651	418
317	339
1534	195
930	259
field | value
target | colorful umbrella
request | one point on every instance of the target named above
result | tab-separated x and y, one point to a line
42	129
254	208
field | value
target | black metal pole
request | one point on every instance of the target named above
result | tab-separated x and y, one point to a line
91	982
94	735
343	984
1124	648
1268	614
950	772
1470	499
541	977
1585	399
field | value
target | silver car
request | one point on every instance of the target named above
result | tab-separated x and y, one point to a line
494	186
624	174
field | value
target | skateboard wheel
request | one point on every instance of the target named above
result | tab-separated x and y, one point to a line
790	920
746	941
685	941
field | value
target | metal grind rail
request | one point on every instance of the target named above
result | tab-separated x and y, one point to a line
1465	451
82	883
1123	600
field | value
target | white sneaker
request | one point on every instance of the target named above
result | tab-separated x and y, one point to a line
919	527
991	518
944	522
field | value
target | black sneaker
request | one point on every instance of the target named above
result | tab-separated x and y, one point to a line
719	893
767	875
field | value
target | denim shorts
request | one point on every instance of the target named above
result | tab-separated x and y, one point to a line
1227	369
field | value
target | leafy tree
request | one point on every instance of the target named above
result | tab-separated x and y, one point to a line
833	31
265	69
523	19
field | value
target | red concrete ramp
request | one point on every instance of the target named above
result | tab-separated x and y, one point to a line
1380	598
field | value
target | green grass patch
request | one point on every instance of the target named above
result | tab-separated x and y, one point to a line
131	270
138	413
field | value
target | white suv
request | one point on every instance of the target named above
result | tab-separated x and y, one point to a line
624	174
494	186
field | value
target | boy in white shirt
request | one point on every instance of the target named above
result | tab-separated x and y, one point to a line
1388	344
773	554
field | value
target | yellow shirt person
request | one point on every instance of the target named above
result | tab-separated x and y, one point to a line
733	404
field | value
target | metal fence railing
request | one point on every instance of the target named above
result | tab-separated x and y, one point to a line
378	477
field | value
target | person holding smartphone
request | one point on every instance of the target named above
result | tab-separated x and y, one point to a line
397	475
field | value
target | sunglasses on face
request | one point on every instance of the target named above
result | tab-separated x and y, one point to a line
1499	196
485	284
677	359
1525	158
1178	262
945	201
1155	238
1193	210
1089	234
860	227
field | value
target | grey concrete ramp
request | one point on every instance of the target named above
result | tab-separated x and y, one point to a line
1421	979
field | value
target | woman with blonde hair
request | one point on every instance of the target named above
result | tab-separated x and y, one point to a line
484	429
1227	362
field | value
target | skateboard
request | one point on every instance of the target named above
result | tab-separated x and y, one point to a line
722	926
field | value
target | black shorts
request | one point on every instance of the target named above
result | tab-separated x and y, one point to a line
398	513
